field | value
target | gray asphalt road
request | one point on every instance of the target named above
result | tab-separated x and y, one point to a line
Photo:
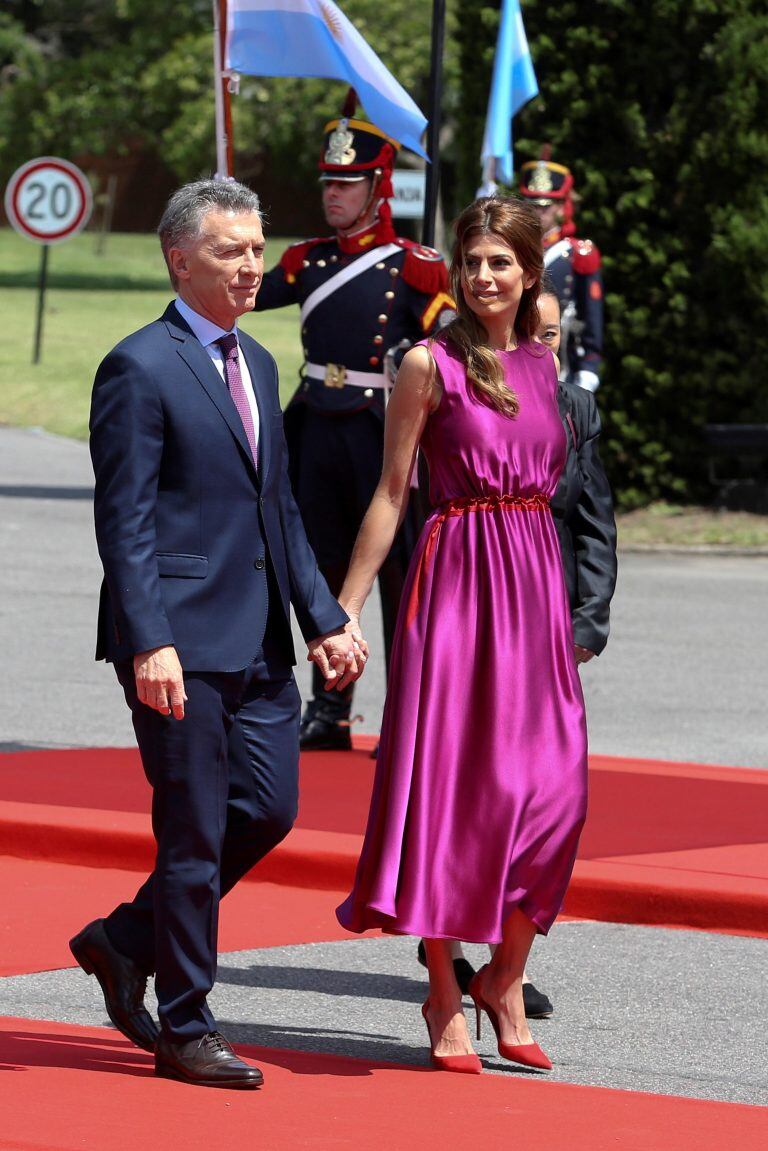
684	676
636	1008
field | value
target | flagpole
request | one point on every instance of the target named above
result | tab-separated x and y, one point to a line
433	123
222	101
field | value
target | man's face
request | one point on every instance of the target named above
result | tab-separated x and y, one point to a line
219	273
549	215
343	202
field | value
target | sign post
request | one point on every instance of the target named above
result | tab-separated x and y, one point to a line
48	200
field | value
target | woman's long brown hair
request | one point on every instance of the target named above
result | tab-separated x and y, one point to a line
517	224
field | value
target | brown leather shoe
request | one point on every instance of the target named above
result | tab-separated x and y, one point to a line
122	982
206	1062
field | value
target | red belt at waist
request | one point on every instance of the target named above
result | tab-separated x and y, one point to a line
458	507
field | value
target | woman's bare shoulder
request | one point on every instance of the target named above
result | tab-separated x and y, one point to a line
418	358
420	375
418	367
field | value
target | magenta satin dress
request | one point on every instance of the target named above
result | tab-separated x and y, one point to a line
481	781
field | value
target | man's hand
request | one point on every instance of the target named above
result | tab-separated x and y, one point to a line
583	654
340	655
160	681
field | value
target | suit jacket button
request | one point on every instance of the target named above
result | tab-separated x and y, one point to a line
259	563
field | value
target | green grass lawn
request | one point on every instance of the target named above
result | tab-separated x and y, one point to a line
93	301
663	525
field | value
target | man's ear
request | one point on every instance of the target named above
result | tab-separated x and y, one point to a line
178	259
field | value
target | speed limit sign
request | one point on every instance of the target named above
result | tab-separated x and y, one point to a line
48	200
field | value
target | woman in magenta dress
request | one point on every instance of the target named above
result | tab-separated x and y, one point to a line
480	789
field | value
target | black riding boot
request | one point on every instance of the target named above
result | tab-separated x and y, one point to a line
325	723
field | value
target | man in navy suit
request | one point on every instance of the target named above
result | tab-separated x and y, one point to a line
203	552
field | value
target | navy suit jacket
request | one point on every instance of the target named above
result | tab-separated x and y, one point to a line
191	535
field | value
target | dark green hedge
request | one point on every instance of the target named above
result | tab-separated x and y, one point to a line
660	109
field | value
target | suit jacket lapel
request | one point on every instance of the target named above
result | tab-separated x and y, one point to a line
199	362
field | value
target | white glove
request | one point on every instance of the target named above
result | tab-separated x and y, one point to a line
590	381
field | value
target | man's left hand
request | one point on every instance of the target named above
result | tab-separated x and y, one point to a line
341	655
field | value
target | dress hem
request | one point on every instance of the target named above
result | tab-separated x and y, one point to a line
373	919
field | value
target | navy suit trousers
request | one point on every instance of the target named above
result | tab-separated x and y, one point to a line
225	792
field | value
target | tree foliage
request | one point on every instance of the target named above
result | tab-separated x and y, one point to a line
659	108
106	76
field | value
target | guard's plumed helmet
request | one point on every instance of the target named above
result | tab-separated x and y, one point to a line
544	182
354	150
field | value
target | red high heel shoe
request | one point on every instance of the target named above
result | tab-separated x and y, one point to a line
527	1054
464	1064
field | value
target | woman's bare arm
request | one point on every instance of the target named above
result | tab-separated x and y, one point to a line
414	396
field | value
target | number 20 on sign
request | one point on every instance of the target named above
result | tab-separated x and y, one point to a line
48	200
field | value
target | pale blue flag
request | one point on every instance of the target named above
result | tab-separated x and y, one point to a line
315	38
513	84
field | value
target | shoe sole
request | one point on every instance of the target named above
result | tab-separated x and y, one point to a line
232	1084
83	961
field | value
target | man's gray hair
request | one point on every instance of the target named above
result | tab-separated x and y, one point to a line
187	207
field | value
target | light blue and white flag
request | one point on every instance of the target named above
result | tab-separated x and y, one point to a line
315	38
513	84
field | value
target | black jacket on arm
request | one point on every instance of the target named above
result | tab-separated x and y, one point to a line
583	512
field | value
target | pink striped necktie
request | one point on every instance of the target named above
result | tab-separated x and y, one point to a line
228	345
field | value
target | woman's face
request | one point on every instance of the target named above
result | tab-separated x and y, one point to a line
492	280
548	331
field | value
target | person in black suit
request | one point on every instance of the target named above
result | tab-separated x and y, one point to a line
203	552
582	506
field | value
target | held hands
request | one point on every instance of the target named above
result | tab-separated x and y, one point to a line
340	655
160	681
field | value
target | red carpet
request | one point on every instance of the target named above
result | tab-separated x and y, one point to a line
674	844
45	903
99	1094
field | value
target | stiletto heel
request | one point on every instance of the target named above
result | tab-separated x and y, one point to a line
463	1064
478	1018
526	1054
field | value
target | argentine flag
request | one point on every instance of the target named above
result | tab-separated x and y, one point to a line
513	84
315	38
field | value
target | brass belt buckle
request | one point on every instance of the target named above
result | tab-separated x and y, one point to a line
335	376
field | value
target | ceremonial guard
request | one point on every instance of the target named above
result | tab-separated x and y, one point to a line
365	294
573	267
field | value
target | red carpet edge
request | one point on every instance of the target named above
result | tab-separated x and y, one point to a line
611	891
680	845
